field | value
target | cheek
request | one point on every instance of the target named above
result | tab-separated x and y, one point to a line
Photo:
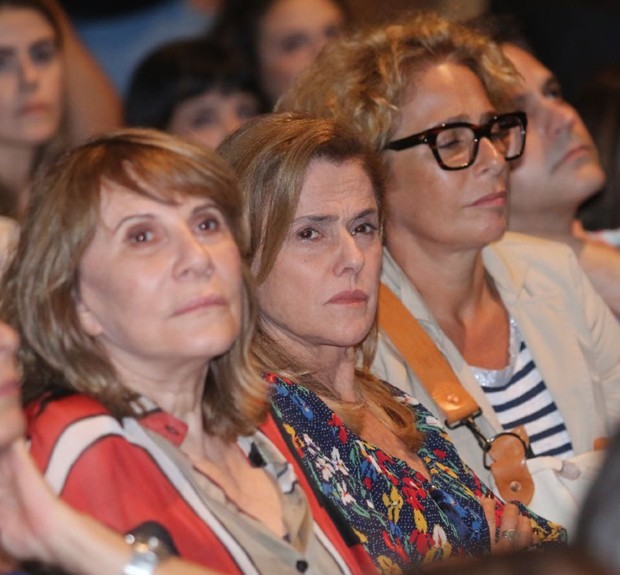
208	137
54	83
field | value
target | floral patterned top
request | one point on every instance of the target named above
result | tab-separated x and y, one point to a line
398	514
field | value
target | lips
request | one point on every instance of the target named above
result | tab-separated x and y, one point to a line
574	152
33	108
200	303
349	297
10	388
494	199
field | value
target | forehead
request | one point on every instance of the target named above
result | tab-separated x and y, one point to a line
23	25
118	201
443	92
532	71
327	183
285	15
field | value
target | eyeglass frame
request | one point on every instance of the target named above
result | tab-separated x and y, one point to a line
480	131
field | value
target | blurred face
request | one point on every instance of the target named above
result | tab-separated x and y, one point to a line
11	415
160	283
456	209
291	34
30	78
560	165
207	119
322	290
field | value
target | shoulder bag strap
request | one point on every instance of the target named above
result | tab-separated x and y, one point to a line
435	374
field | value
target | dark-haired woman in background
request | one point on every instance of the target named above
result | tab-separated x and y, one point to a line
195	89
279	38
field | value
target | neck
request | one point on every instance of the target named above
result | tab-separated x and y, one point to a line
177	389
15	168
452	283
332	365
551	224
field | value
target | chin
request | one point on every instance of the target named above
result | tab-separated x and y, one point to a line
13	425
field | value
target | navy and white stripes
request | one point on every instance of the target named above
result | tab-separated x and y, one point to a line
525	400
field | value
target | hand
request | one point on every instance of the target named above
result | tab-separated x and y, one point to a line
515	530
29	511
12	421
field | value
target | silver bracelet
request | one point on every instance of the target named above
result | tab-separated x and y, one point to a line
148	552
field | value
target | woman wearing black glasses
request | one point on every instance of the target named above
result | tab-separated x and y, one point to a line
520	326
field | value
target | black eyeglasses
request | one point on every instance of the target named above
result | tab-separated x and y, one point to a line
455	145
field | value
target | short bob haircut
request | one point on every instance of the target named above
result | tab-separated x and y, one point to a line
363	79
271	156
180	70
40	286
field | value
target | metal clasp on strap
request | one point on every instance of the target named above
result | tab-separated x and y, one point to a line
485	443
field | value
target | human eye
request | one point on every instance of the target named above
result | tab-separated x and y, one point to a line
365	228
140	235
553	90
209	225
293	43
247	110
43	52
451	138
333	31
307	234
209	222
204	118
6	59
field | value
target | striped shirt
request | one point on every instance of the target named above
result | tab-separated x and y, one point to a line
521	397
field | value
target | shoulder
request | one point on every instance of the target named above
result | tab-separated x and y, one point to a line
543	268
533	250
73	421
55	412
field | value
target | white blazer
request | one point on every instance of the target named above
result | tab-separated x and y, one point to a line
574	340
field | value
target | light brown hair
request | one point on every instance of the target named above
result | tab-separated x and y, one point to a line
39	289
271	156
363	79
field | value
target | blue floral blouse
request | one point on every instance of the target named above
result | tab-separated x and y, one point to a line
398	515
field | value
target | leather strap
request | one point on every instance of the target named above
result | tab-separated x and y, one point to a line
435	374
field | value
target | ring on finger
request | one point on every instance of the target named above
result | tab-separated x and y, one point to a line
512	535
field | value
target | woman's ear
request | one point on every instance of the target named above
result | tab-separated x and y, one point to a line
88	320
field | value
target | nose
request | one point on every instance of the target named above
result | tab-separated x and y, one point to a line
28	73
351	258
489	157
560	117
193	257
232	123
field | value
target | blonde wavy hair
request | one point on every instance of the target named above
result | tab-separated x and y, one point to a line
362	79
271	156
38	296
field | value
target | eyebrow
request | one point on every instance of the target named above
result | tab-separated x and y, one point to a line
207	205
365	213
318	218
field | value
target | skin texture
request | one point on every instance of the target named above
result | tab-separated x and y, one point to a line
333	247
439	221
177	268
559	169
31	78
291	34
208	118
560	158
438	209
